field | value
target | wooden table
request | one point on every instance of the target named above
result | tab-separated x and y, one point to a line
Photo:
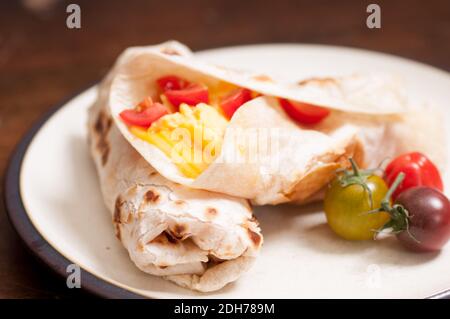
42	61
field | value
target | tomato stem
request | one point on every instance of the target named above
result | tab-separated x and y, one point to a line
399	215
387	198
354	167
357	177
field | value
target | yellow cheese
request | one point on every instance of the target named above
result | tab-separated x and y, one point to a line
191	137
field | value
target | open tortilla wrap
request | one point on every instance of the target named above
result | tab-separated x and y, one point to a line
198	239
369	121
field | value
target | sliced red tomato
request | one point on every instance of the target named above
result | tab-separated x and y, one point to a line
304	113
191	95
233	100
172	82
143	117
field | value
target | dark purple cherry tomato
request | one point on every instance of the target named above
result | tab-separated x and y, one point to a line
428	219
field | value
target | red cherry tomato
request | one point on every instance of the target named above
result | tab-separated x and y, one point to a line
144	115
428	219
304	113
191	95
233	100
418	169
172	82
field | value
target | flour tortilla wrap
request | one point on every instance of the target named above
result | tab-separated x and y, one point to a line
197	239
383	137
371	116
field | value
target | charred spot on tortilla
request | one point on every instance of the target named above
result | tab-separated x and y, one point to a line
108	123
170	51
140	246
117	210
98	125
151	196
254	237
160	239
317	80
118	215
101	127
103	123
165	238
262	78
117	231
105	153
170	238
178	231
211	212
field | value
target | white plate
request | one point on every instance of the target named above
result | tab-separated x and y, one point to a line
300	258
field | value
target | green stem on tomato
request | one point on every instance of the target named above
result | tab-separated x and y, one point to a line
385	203
354	167
399	216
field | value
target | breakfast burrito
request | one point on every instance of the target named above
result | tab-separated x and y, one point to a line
256	136
198	239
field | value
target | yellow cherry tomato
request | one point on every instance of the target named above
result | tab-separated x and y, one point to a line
347	208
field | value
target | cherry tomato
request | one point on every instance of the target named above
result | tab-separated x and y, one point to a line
304	113
428	213
418	169
233	100
191	95
349	200
172	82
144	115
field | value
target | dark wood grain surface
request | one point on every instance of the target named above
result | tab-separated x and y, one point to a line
42	61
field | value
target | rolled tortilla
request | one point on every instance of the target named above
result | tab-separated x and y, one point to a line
198	239
382	137
370	121
290	164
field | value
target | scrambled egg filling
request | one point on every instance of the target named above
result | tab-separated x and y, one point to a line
191	137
